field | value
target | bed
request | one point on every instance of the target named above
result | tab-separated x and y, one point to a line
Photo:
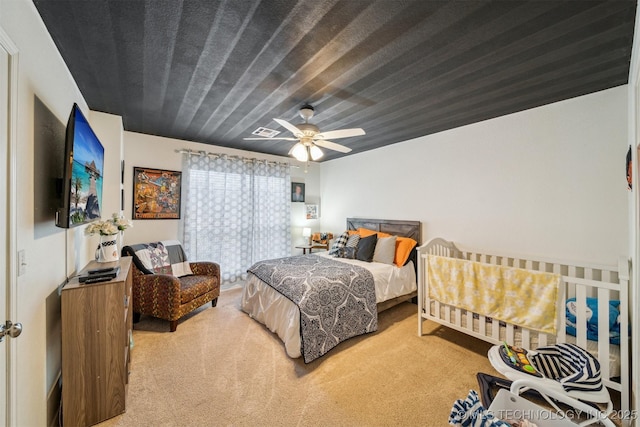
274	307
580	305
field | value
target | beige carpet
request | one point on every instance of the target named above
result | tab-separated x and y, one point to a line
221	368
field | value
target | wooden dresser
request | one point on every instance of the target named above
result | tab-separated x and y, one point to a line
96	346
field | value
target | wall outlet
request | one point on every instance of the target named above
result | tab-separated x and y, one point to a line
22	262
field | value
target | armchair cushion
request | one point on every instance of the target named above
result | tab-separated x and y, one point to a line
192	287
164	257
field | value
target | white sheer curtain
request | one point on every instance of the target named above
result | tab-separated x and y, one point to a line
236	211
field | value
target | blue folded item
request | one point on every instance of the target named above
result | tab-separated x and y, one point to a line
592	319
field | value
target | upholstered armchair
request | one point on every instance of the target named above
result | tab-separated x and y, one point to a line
165	285
321	240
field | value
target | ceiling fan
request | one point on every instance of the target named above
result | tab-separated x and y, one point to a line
310	138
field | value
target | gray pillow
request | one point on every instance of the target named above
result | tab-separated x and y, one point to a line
385	250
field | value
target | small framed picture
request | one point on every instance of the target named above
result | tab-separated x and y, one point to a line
297	192
312	211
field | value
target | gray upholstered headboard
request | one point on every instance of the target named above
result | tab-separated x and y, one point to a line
411	229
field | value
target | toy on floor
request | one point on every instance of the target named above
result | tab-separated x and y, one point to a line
518	359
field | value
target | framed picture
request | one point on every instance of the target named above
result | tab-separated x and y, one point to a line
312	211
297	192
156	193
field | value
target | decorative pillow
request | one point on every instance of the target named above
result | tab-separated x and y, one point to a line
404	246
339	243
346	252
353	240
366	247
157	258
165	257
385	250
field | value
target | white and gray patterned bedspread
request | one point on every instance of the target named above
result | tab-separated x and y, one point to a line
337	301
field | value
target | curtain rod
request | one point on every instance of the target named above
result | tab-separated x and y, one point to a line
216	155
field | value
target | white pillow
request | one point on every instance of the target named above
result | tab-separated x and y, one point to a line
385	250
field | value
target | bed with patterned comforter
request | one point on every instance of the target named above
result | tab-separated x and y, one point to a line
314	302
336	300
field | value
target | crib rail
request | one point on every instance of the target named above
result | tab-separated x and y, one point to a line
579	281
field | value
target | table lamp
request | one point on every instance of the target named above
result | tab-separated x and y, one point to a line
306	232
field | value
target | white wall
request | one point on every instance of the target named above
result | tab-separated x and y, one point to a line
156	152
53	257
549	181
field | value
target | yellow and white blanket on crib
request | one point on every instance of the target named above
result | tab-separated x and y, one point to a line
514	295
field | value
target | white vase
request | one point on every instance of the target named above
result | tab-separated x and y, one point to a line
108	249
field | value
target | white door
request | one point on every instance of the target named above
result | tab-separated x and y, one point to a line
4	287
8	270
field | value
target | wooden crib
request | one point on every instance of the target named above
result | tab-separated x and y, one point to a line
579	281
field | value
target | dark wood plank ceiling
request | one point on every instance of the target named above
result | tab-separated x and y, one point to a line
214	71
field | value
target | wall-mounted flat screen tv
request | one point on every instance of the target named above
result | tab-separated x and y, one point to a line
81	200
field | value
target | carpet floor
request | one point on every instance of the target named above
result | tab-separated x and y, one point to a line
222	368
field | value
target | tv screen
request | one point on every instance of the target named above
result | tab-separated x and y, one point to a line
82	173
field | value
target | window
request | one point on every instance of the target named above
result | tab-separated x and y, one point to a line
236	212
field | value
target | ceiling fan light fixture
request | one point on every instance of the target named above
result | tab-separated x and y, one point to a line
315	152
310	140
299	151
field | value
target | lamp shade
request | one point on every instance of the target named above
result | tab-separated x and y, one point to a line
299	151
315	152
306	232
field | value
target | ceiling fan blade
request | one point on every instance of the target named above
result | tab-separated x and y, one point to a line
270	139
340	133
332	146
291	128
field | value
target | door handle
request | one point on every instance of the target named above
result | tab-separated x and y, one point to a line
13	330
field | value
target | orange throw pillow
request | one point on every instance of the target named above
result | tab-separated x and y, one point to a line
365	232
404	246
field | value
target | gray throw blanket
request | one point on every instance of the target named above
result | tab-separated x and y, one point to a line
337	301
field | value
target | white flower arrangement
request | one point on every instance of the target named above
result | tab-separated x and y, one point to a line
108	227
